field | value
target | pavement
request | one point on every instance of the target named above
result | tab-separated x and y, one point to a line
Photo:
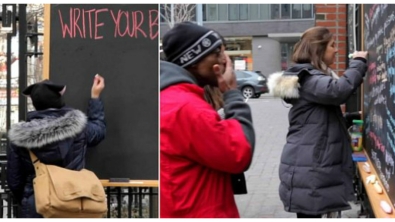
270	118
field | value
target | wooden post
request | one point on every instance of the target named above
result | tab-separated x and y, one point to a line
47	39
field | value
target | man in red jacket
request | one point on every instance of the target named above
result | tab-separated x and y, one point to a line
198	150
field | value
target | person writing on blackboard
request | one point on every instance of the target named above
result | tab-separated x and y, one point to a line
198	150
316	168
56	134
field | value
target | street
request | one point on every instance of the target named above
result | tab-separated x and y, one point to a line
270	118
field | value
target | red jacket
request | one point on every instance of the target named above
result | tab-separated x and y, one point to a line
198	153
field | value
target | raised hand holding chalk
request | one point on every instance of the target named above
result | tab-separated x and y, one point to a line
97	87
356	54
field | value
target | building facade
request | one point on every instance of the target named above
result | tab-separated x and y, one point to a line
334	17
259	37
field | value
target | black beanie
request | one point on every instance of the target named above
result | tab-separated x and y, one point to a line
187	43
45	95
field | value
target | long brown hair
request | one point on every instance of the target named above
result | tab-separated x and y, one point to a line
213	96
312	46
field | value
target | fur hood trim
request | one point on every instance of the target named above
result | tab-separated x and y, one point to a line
40	132
283	86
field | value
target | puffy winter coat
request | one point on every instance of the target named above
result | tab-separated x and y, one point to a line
316	168
57	137
198	150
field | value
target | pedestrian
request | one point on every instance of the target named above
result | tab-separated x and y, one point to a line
316	168
198	150
56	134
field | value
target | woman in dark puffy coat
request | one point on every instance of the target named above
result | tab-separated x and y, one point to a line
316	167
56	134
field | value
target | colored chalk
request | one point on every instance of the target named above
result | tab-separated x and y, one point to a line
359	157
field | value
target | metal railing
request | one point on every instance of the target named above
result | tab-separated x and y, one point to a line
132	202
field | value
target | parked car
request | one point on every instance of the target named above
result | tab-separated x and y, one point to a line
251	84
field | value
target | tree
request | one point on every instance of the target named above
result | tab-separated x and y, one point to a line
176	13
35	17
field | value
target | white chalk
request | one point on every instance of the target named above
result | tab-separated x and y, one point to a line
386	207
137	182
366	168
350	55
371	179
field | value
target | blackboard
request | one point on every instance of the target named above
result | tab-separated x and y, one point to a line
120	42
379	91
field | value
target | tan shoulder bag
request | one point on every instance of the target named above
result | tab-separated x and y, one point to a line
64	193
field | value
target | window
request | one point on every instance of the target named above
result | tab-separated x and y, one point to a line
233	12
285	11
240	74
265	11
247	74
222	12
204	12
286	54
254	12
307	11
243	11
275	11
212	14
296	11
284	49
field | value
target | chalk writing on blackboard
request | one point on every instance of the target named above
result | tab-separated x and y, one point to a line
379	91
88	24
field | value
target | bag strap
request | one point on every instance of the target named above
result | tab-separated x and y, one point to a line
34	159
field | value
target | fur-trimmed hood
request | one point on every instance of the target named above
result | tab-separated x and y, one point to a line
43	131
286	85
283	86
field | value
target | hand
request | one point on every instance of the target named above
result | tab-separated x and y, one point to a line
226	80
360	54
97	87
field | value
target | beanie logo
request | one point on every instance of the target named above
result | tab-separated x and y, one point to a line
206	42
190	54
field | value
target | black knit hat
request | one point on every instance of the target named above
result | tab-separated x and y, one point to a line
187	43
46	95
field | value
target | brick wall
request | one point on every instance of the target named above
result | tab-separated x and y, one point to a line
334	17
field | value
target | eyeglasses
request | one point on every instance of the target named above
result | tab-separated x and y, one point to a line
218	52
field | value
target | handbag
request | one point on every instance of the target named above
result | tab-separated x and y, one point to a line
239	185
64	193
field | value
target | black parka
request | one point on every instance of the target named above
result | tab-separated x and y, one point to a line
316	168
